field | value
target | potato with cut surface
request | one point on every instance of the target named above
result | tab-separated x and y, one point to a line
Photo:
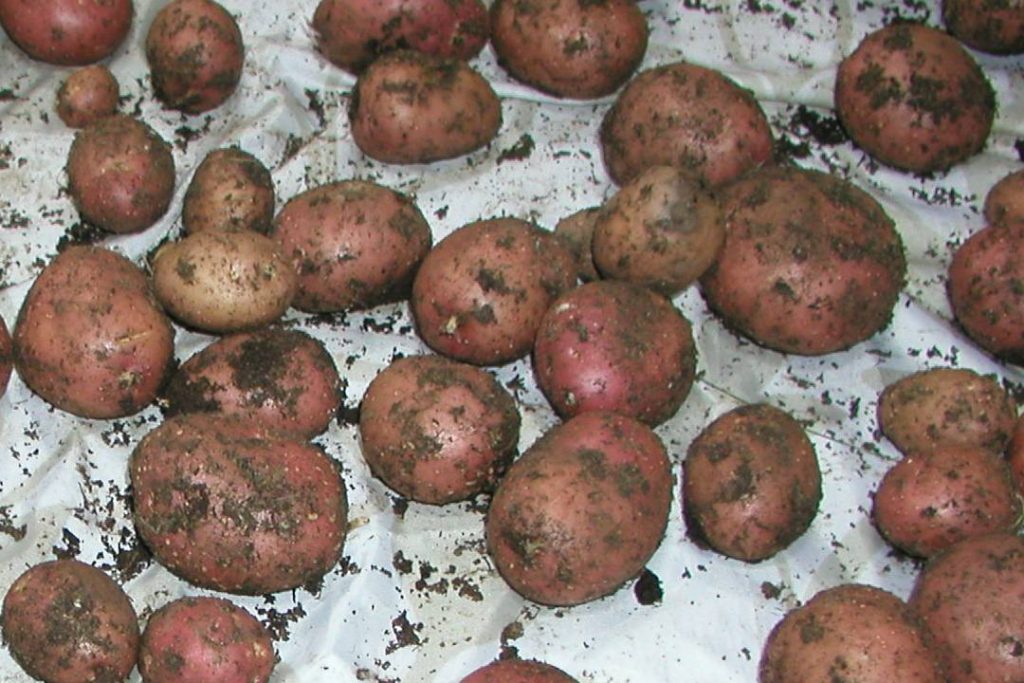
994	26
88	94
67	32
230	189
518	671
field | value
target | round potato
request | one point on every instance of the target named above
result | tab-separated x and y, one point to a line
1004	202
230	188
354	244
577	233
67	32
90	337
995	26
413	108
67	622
88	94
518	671
224	280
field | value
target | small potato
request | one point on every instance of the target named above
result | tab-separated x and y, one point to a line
912	97
120	174
224	280
6	357
577	233
195	54
67	32
68	622
436	430
90	337
413	108
582	510
230	188
946	407
1004	202
88	94
229	506
518	671
354	244
284	380
569	48
994	26
751	483
205	639
662	230
849	632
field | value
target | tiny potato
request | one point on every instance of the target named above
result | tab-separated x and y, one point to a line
1004	202
88	94
518	671
67	32
994	26
230	188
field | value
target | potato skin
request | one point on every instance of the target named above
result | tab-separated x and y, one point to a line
582	510
88	94
120	174
437	430
413	108
232	507
282	379
354	244
615	346
849	632
569	48
1004	202
90	337
67	32
67	622
518	671
205	639
913	98
230	188
811	264
994	26
751	483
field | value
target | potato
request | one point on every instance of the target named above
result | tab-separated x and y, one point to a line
480	293
230	506
582	511
68	622
518	671
90	337
1004	202
751	483
88	94
811	264
436	430
946	407
1015	454
120	174
67	32
354	244
849	632
224	280
995	26
6	357
282	379
689	116
615	346
662	230
195	55
230	188
569	48
913	98
352	33
413	108
970	601
577	233
205	639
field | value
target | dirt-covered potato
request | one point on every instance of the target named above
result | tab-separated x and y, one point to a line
67	32
413	108
751	483
86	95
230	188
970	601
912	97
615	346
205	639
569	48
436	430
67	622
230	506
849	632
811	263
224	280
995	26
582	510
6	357
688	116
518	671
120	174
480	293
195	54
282	379
577	233
90	337
354	244
661	230
1004	202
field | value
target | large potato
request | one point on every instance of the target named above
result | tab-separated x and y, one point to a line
67	32
230	188
90	337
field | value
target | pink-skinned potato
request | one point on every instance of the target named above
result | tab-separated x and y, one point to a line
67	32
994	26
518	671
1004	201
88	94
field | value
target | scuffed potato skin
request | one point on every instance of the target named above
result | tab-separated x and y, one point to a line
67	32
231	188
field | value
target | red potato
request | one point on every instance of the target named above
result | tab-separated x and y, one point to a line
68	622
995	26
912	97
577	233
6	357
230	188
518	671
195	54
88	94
615	346
67	32
90	337
581	511
1015	454
1004	202
205	639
